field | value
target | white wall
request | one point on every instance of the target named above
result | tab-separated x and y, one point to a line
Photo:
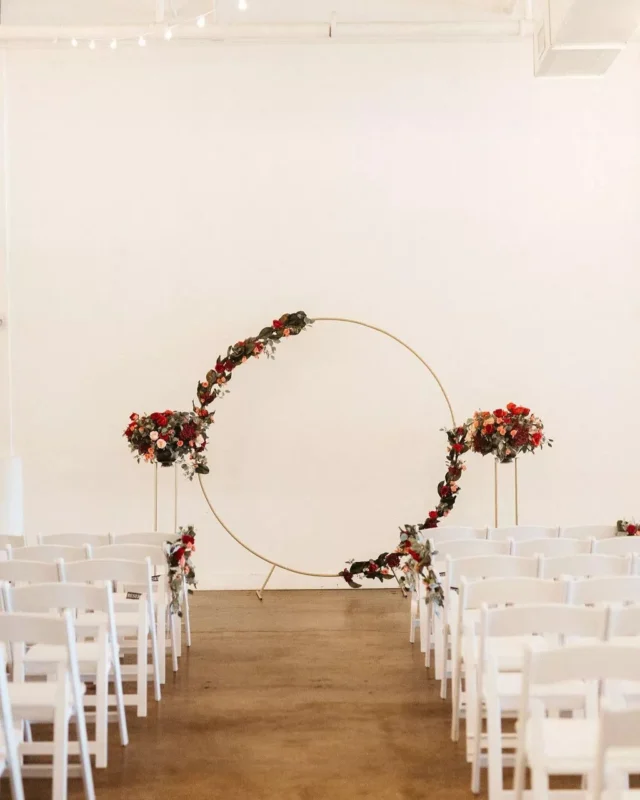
165	203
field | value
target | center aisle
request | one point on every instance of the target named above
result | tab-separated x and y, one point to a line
306	696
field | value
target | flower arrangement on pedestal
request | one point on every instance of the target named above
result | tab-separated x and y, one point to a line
180	566
503	434
626	528
170	436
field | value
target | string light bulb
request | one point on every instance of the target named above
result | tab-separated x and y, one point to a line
114	44
92	45
200	22
74	43
142	41
168	34
242	5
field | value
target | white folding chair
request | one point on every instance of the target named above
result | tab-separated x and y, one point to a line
9	754
137	620
454	534
162	539
48	552
606	590
624	629
566	746
57	700
588	531
521	532
473	595
421	611
19	572
618	747
75	539
618	546
166	624
550	547
499	679
586	565
98	659
472	568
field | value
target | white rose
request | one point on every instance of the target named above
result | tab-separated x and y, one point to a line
199	440
153	435
161	444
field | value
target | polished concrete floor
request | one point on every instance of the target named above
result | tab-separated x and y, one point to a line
309	695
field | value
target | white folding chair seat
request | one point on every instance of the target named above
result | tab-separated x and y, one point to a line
557	746
135	623
588	531
586	565
550	547
36	701
519	533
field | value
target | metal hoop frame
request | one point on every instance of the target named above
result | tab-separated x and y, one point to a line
275	564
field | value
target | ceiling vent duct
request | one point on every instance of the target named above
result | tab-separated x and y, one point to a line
582	38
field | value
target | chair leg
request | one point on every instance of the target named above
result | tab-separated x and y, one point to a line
117	682
102	717
427	636
60	753
187	615
174	624
494	753
477	746
443	668
141	672
413	610
519	773
456	680
160	635
155	661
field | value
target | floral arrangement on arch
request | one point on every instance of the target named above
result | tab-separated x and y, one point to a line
180	566
501	433
168	437
626	528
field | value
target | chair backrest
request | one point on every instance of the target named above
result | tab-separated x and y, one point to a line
28	571
595	591
556	619
550	547
109	570
499	591
588	531
617	546
624	621
592	662
158	539
75	539
463	548
619	728
132	552
477	567
521	532
42	597
584	565
14	541
455	534
18	627
48	552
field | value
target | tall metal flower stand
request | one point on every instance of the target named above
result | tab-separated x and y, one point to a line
155	497
505	505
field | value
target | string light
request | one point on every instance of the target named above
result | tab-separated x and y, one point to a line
74	43
200	22
142	41
168	34
242	5
114	44
92	45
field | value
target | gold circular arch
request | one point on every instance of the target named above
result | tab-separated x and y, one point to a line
275	564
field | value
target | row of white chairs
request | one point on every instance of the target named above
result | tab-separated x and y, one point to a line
79	539
519	532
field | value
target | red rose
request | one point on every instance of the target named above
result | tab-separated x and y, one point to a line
155	416
221	367
511	407
161	420
632	530
536	438
393	560
168	412
526	411
178	553
413	554
499	412
458	448
187	539
277	324
489	428
460	431
433	515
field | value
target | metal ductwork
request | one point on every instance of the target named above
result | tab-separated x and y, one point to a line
582	37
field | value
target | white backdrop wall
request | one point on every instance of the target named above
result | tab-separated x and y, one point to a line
165	203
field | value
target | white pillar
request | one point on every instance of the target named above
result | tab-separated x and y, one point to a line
10	466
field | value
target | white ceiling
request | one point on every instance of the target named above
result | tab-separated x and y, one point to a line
126	12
